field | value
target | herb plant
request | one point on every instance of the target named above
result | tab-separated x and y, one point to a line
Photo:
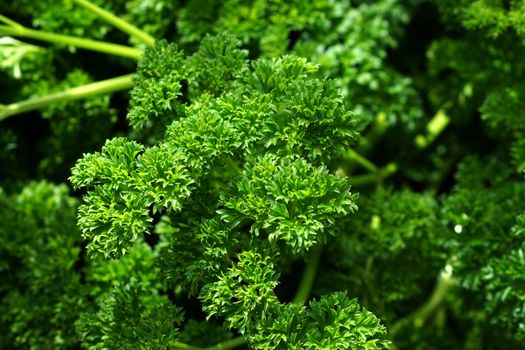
262	175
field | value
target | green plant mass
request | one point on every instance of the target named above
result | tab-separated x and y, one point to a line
213	175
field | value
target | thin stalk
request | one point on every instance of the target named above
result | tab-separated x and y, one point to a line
225	345
368	141
182	346
362	180
231	165
228	344
434	128
419	316
10	22
119	23
359	159
110	85
374	178
308	278
373	134
88	44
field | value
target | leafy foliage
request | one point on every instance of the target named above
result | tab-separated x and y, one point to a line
295	175
286	198
505	298
332	322
495	17
295	212
394	230
126	176
131	318
41	294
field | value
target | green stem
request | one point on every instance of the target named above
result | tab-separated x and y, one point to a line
359	159
88	44
231	165
119	23
368	141
434	128
225	345
182	346
308	278
374	178
229	344
110	85
373	134
10	22
362	180
419	316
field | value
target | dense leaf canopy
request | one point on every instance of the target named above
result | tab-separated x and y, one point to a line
281	174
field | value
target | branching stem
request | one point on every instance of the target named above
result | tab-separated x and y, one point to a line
119	23
359	159
110	85
374	178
